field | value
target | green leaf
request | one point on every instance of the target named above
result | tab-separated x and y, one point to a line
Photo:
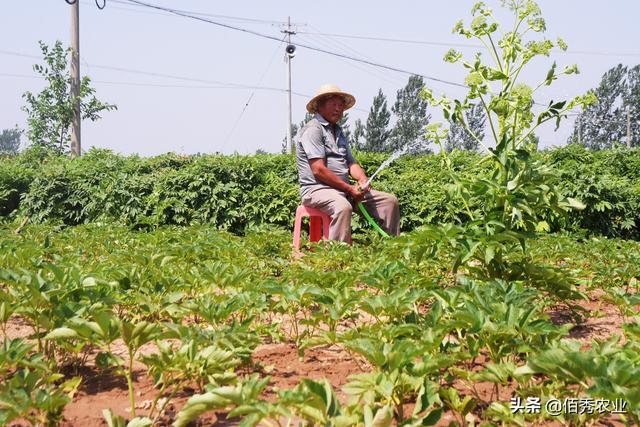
140	422
112	419
433	417
197	405
61	333
542	226
383	417
575	204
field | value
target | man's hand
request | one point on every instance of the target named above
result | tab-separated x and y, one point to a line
356	193
358	174
364	185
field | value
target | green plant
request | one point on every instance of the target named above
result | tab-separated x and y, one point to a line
173	369
135	335
240	396
504	209
28	388
50	113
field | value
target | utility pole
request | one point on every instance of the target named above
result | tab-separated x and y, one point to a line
290	50
579	130
628	127
75	79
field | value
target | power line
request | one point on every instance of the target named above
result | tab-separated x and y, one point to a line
235	125
191	79
394	40
385	75
24	55
211	15
140	84
170	76
141	72
466	45
359	67
266	36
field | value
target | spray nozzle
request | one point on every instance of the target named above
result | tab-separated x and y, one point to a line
364	187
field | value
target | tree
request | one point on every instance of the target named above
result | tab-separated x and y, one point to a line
411	111
358	134
631	101
294	131
377	131
50	112
10	141
344	124
459	138
604	123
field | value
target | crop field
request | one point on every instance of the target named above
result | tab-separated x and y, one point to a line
164	291
193	324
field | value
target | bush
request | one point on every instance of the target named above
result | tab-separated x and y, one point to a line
237	192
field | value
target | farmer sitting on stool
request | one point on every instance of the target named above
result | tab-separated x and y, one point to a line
325	162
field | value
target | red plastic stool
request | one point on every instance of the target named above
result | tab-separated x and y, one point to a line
318	225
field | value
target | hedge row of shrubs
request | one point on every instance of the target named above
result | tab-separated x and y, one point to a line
236	192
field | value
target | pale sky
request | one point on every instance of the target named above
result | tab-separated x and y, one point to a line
130	51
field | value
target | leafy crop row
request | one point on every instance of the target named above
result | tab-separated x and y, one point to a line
239	192
204	300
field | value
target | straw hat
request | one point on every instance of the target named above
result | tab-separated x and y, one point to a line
329	89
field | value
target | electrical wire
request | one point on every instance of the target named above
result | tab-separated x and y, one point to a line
220	85
466	45
139	84
104	3
235	125
393	40
382	74
266	36
132	71
170	76
337	54
354	65
231	18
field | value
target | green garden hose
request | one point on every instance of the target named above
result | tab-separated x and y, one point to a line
371	220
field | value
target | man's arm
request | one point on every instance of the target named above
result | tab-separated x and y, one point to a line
356	171
324	174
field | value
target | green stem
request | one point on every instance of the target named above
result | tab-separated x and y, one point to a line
524	138
513	36
155	402
515	123
39	340
473	135
493	130
129	376
164	405
495	52
448	164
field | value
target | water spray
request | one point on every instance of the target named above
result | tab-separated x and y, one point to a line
406	149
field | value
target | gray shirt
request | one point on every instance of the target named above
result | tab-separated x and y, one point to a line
315	141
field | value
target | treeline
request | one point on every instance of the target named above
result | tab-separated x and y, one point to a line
613	119
390	127
238	192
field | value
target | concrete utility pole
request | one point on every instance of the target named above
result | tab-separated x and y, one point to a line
75	79
579	131
628	127
290	50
